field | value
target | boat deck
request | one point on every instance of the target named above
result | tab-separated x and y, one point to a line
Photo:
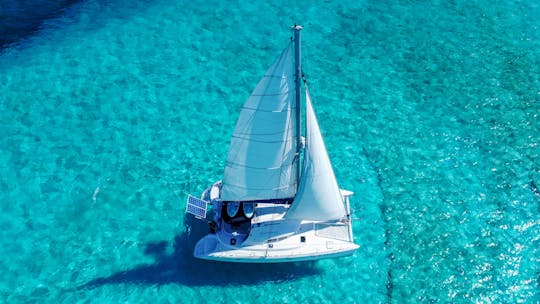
274	238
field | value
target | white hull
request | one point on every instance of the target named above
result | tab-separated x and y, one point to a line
211	248
269	237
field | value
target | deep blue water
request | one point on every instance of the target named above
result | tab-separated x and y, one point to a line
20	19
111	111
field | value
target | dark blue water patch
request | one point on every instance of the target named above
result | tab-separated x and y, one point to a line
387	244
20	19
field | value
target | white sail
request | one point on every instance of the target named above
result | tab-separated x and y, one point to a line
260	160
318	196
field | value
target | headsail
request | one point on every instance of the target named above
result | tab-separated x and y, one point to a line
260	160
318	196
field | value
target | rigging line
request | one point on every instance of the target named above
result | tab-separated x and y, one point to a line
266	111
255	168
274	76
263	134
249	122
261	141
275	94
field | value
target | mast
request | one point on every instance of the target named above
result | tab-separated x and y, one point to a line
298	74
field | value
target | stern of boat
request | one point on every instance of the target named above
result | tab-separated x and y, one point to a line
269	237
206	246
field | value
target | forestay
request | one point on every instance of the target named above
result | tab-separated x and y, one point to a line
261	154
318	196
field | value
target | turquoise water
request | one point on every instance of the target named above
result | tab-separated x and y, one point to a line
114	110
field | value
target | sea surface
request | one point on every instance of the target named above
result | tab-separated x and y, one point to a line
111	111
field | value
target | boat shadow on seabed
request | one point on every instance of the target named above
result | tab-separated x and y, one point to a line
181	267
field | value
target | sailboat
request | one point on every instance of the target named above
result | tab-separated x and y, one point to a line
278	200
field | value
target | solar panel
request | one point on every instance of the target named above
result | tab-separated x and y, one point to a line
196	201
196	206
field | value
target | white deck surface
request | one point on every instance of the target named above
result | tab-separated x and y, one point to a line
275	239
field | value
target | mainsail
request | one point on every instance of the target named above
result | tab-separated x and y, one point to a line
260	163
318	197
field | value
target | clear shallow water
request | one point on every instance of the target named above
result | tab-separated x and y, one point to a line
113	111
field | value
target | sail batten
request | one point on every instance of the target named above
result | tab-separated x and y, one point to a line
260	141
255	168
259	164
276	94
